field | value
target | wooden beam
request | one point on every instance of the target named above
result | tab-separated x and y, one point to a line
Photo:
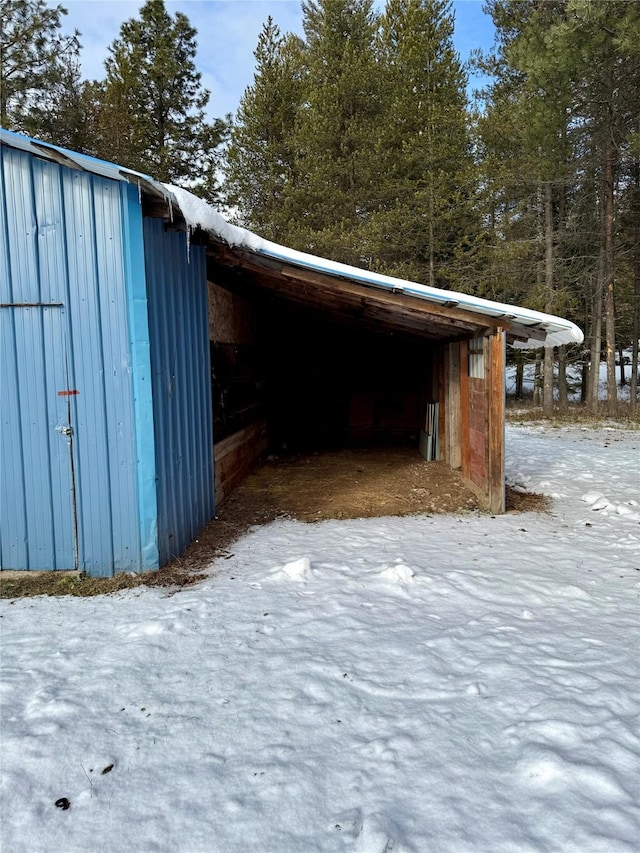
442	408
362	304
452	373
451	312
464	407
456	318
460	321
409	312
496	406
518	332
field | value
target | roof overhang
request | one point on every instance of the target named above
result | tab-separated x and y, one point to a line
347	292
324	284
349	301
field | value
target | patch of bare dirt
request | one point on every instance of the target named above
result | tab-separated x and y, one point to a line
516	501
312	487
361	484
338	484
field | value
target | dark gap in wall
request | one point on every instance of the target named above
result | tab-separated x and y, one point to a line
331	385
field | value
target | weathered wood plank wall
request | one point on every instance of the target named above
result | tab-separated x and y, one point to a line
235	456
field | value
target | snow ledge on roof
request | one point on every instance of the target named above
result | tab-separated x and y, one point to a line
199	213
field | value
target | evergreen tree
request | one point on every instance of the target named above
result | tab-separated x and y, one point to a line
336	169
62	115
260	165
152	116
424	226
599	48
34	57
577	67
538	149
508	199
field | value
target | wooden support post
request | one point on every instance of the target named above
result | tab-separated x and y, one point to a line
442	400
464	408
496	414
454	442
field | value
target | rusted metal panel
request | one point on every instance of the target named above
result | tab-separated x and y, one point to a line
181	377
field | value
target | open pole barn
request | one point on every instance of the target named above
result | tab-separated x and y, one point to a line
151	353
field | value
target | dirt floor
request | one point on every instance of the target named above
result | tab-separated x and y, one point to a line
341	484
358	484
312	487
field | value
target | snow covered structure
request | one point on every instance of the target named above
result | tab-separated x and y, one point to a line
151	352
106	457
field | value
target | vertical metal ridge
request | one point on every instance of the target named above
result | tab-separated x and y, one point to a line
176	285
13	508
141	386
51	264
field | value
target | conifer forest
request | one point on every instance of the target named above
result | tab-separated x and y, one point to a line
360	141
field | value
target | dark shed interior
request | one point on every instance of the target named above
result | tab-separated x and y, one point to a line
306	357
330	384
296	375
320	380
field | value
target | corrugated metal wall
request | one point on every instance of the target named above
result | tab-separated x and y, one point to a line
180	364
62	272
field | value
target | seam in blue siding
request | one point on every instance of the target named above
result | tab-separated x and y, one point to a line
141	379
13	503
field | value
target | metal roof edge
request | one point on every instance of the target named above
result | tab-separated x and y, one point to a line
198	213
559	330
83	162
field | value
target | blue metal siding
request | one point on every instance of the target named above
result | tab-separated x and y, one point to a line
177	295
141	379
63	237
36	525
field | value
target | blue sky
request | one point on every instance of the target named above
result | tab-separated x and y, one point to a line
227	35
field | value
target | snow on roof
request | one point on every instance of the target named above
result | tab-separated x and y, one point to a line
198	213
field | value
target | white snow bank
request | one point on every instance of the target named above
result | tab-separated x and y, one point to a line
295	570
597	501
486	702
198	213
398	573
573	381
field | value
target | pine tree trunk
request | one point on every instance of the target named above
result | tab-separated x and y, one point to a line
547	390
596	341
547	383
609	310
633	390
633	395
432	250
519	376
537	377
432	131
432	265
563	396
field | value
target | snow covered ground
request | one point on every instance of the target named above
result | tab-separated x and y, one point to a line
573	381
428	684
